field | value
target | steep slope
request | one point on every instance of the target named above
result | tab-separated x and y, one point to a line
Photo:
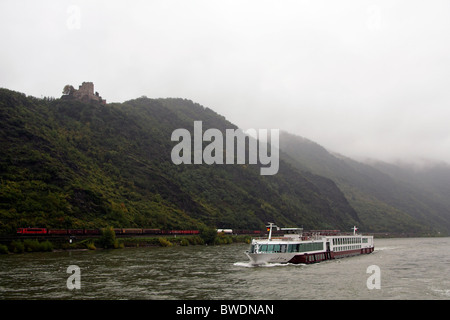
68	164
389	199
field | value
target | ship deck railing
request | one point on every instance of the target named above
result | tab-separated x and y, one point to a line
285	238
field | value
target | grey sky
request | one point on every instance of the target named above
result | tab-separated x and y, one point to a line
362	78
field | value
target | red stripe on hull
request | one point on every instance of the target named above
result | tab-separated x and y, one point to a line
317	257
348	253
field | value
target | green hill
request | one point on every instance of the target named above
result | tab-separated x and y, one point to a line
69	164
386	196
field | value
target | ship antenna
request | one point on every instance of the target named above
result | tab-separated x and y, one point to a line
270	231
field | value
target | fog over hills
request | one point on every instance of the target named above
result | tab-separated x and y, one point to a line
379	190
362	78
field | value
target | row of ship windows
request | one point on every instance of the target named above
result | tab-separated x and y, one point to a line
339	241
299	247
345	248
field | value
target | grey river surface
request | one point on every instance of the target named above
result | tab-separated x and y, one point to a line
410	268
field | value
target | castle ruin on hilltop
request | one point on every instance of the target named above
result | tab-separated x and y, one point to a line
84	93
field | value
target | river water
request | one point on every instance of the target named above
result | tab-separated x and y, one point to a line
409	268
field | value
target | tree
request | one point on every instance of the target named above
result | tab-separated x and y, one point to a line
108	238
68	89
208	234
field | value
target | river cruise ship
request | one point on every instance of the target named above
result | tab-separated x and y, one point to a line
295	246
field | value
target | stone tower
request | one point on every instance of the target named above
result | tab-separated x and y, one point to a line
86	93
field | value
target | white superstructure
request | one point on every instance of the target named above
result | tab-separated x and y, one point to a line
296	247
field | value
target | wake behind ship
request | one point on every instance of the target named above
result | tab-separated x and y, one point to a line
296	247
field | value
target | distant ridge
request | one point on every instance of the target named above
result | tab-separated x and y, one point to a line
385	196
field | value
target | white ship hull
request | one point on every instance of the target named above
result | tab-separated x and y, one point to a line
258	259
296	248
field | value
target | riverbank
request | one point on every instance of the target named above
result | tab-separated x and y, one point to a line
95	243
112	242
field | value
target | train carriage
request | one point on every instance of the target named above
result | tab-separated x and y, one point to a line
32	231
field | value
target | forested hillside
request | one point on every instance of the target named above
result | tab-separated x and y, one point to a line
397	198
68	164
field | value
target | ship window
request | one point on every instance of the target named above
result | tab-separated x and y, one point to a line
283	248
310	246
263	248
270	248
276	248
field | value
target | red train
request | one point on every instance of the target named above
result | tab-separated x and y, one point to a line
130	231
32	231
153	231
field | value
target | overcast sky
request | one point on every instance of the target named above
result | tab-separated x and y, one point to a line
362	78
